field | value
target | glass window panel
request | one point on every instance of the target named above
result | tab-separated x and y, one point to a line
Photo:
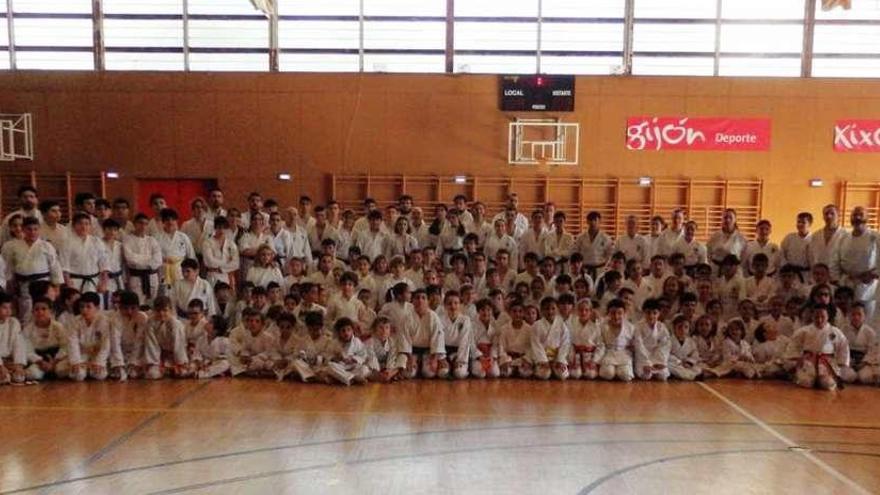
143	61
143	6
405	7
846	39
673	66
674	37
496	8
581	8
322	7
762	9
53	32
496	36
309	62
404	63
318	34
752	38
4	59
845	67
228	7
752	66
681	9
146	33
53	6
229	34
255	62
409	35
495	64
581	37
55	60
861	9
580	65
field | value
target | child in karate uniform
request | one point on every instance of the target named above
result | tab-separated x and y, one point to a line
684	356
385	362
251	346
421	339
769	350
128	325
194	328
192	287
13	355
164	343
211	350
458	338
44	338
485	362
736	353
264	270
88	342
550	343
860	337
652	344
347	360
586	343
514	342
289	356
617	335
825	352
869	373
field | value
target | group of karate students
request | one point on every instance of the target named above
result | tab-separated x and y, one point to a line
330	295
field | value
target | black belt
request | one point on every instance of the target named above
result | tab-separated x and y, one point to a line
47	353
420	350
114	275
144	276
86	278
33	277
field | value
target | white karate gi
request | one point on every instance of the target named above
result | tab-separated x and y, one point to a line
457	343
770	357
550	343
244	344
856	255
825	356
29	263
164	347
684	359
220	259
83	259
420	338
652	347
143	258
595	250
722	244
484	362
634	248
795	250
617	362
262	276
13	349
42	343
694	252
198	231
183	291
736	357
587	349
824	250
128	335
88	344
175	247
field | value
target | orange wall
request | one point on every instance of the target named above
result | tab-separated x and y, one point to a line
245	128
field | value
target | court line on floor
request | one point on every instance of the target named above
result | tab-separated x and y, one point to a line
785	440
387	436
116	442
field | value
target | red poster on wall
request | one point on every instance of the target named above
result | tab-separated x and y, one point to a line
859	135
697	134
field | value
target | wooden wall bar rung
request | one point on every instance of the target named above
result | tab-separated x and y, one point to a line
614	197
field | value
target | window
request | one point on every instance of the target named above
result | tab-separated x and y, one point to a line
846	43
675	37
4	39
227	35
319	36
143	35
53	34
404	35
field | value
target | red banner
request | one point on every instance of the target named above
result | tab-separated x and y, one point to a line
698	134
857	135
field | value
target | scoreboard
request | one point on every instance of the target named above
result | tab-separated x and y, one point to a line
536	93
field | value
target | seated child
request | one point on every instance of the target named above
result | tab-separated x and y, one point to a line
211	349
88	342
736	353
164	343
617	336
13	352
457	338
550	343
652	344
825	352
485	361
769	350
251	346
586	343
684	355
385	362
514	342
43	337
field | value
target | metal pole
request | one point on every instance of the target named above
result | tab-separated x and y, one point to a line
361	36
98	34
538	50
717	62
628	20
186	35
273	40
10	26
450	36
809	29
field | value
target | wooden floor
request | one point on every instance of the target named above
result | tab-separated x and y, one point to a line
250	436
